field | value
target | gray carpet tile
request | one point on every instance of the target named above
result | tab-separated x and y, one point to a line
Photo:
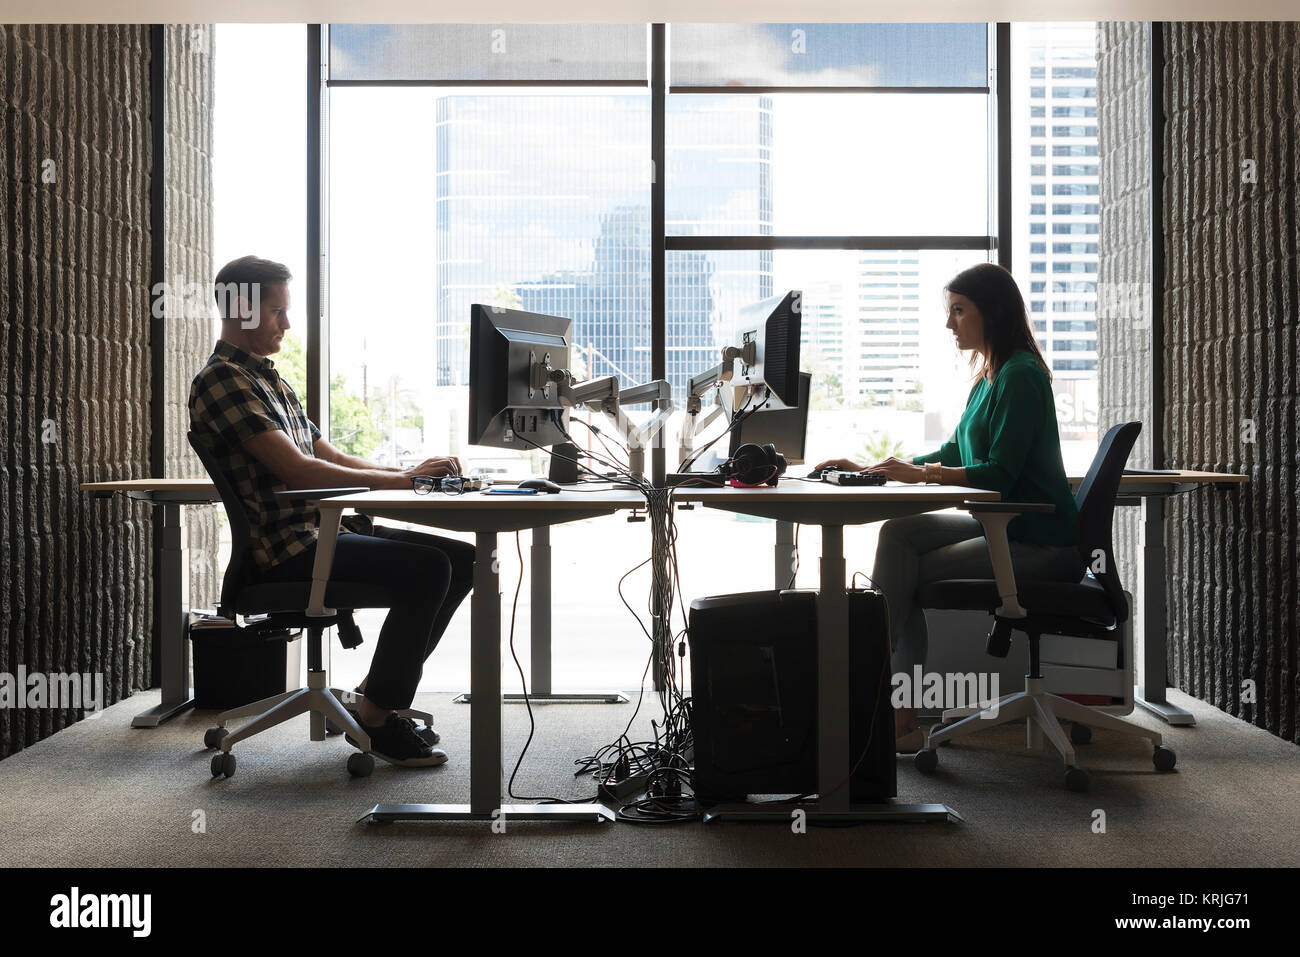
101	794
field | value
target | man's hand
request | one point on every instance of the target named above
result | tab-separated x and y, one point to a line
438	466
898	470
839	465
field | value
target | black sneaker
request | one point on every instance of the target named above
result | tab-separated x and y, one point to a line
430	736
427	734
397	742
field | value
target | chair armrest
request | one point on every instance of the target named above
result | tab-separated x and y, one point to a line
316	494
994	517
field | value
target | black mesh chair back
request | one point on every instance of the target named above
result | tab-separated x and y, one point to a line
239	572
1095	500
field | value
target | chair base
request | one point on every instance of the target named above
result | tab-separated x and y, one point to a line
1042	712
323	703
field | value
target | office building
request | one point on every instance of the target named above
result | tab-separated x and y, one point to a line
592	215
1057	165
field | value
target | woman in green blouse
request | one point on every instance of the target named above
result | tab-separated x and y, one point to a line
1006	441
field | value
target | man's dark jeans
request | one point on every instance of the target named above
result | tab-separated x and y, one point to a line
426	576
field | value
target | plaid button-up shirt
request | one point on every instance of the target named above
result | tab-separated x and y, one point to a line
233	398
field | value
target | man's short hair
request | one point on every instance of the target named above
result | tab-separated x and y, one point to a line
239	276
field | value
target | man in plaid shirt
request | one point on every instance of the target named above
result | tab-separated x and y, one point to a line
263	441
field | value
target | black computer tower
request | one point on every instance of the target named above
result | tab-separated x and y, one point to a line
754	696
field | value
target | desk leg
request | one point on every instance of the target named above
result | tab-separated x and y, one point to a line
1152	628
785	554
173	586
485	679
540	622
833	675
485	772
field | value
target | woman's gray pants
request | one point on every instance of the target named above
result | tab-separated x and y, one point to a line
925	548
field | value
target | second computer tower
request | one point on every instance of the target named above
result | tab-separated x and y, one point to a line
754	696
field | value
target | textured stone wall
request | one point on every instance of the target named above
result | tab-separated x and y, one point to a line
74	358
1232	95
1123	270
75	379
188	236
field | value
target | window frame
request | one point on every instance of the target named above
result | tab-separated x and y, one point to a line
996	240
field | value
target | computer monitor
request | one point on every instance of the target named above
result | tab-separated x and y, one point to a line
774	326
506	410
787	429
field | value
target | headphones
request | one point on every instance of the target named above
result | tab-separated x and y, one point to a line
754	465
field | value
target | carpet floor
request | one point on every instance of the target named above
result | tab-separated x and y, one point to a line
100	794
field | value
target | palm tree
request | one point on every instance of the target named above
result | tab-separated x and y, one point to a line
880	446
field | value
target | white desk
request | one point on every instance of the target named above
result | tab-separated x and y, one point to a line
1151	632
1151	629
832	507
172	584
486	516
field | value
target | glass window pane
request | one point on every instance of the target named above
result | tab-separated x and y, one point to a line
492	51
439	199
828	54
827	164
886	375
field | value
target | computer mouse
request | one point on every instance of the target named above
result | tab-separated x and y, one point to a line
815	474
540	484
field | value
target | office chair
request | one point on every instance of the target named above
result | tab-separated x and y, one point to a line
1094	608
281	605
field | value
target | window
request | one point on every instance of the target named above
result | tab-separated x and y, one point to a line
1063	52
506	164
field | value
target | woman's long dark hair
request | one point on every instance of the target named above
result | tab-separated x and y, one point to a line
1006	323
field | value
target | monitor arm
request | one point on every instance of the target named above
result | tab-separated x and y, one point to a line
603	395
593	393
637	437
700	384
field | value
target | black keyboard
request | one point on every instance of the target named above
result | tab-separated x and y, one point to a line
853	478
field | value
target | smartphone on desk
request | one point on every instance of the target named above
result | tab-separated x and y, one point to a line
506	490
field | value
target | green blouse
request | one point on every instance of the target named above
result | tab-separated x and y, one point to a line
1007	441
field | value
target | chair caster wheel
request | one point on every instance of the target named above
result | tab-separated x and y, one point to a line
926	760
360	765
1080	733
223	764
212	737
1076	779
1164	758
